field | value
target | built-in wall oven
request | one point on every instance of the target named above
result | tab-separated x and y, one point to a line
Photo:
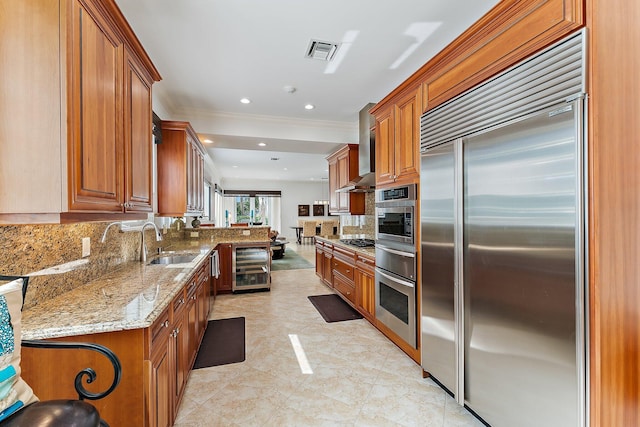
395	290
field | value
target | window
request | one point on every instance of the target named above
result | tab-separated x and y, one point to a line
255	208
207	201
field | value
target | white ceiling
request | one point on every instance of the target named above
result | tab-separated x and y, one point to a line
212	53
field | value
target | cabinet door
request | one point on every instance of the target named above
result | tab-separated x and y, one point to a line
327	275
319	261
95	134
385	156
181	351
407	137
193	329
137	141
343	179
189	172
333	185
365	293
223	283
161	398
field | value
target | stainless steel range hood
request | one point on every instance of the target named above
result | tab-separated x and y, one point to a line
366	182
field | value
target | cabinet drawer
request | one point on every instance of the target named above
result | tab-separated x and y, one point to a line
178	303
365	263
192	285
160	327
345	288
343	268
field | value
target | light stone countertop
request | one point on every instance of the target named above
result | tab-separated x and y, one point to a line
370	251
130	297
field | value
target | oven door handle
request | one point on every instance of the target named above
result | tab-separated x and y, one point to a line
396	252
395	280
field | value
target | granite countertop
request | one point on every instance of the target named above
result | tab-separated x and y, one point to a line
335	240
131	296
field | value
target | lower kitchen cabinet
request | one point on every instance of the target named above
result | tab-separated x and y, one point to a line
319	259
160	376
180	346
350	273
345	287
324	257
327	271
365	286
223	284
155	361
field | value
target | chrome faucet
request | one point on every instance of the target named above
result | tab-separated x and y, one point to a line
143	245
104	235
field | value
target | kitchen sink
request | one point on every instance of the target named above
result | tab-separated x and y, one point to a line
173	259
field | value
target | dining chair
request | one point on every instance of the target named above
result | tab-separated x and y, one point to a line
326	228
308	230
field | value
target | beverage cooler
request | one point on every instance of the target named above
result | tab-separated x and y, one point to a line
251	266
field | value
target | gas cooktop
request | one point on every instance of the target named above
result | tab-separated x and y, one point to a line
361	243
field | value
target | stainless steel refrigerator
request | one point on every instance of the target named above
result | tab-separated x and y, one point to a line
502	253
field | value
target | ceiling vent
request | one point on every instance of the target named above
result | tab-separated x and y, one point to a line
324	51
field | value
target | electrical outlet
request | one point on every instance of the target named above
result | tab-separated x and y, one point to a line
246	232
86	247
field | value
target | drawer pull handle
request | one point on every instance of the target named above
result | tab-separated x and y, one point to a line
166	324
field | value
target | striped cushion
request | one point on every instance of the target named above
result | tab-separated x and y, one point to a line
15	393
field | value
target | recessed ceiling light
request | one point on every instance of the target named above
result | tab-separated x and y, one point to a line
245	101
235	166
285	169
208	141
262	144
309	107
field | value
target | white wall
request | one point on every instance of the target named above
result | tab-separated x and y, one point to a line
294	193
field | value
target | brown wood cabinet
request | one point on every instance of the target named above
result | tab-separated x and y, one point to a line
156	362
365	286
398	140
343	167
223	284
160	377
324	258
319	259
138	151
342	273
179	345
351	274
180	171
79	114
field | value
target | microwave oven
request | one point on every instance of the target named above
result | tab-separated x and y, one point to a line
395	211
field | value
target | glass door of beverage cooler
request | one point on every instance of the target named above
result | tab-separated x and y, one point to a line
251	267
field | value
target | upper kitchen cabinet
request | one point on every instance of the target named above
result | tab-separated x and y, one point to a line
398	140
343	167
180	171
75	143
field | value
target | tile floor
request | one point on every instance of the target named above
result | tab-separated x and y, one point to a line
359	377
